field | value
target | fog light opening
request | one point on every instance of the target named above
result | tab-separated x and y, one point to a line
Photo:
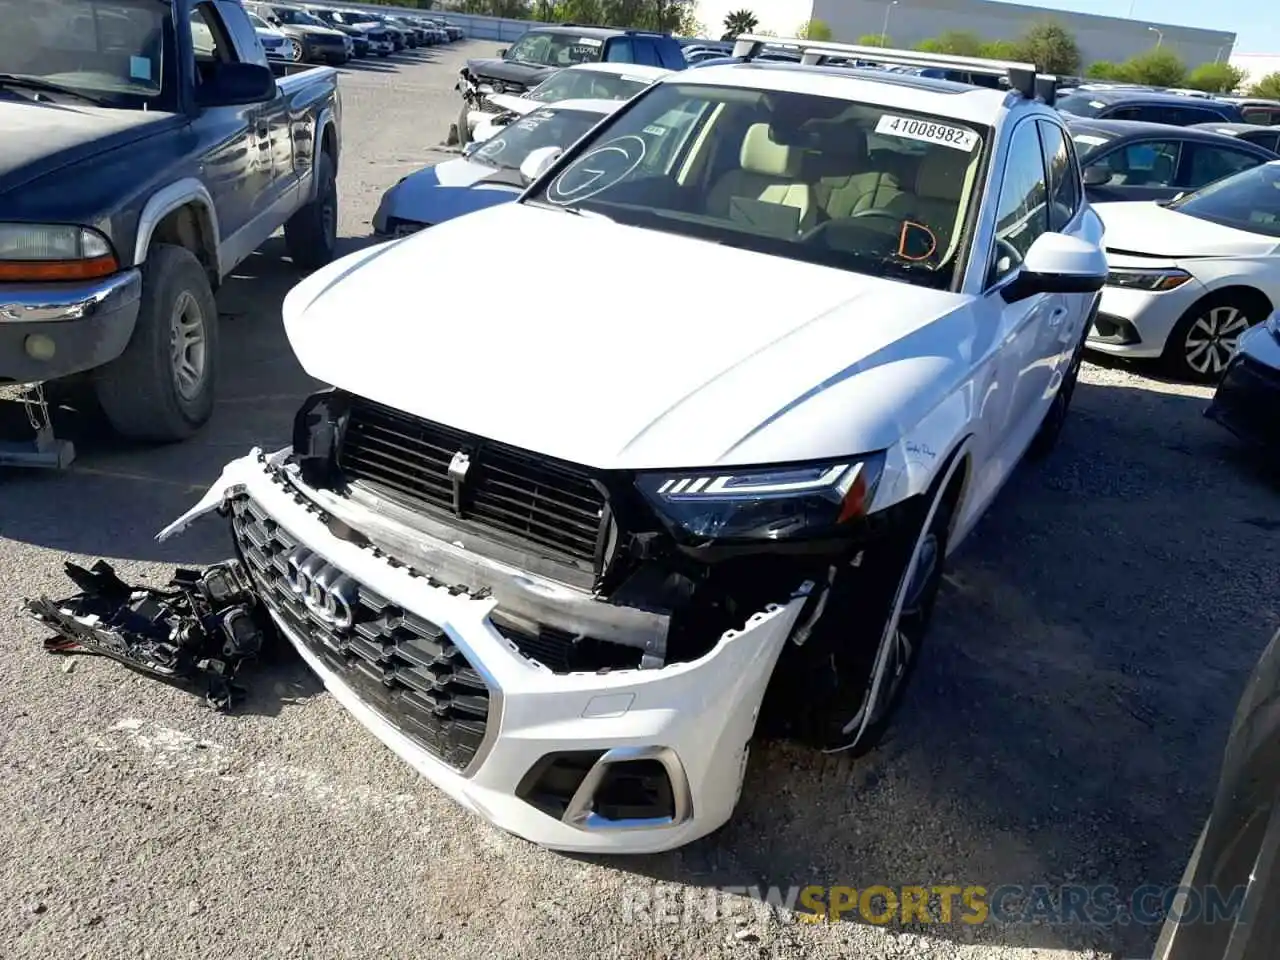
635	790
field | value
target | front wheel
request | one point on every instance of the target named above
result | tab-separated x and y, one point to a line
840	690
161	388
311	234
1206	337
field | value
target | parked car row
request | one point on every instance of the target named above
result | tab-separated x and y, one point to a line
334	35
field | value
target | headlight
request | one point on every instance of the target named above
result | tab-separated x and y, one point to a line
1155	281
779	503
53	252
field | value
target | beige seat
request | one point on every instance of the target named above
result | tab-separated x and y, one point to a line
838	168
769	172
938	189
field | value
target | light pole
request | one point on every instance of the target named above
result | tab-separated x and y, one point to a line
884	30
1159	36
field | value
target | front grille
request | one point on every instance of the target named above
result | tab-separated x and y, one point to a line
516	495
400	665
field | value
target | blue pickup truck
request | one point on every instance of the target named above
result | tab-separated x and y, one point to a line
151	148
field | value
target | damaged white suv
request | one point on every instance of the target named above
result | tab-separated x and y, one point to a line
788	330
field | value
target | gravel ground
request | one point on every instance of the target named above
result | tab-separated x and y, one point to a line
1066	725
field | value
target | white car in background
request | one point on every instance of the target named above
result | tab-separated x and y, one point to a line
586	81
785	334
275	43
1189	276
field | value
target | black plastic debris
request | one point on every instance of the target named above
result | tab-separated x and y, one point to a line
196	632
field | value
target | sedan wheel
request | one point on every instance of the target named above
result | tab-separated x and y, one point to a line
296	53
1205	340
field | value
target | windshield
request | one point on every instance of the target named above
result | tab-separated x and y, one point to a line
258	22
827	181
1079	105
1248	201
1087	140
542	128
298	17
587	85
555	49
111	50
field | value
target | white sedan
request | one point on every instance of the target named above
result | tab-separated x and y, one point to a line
1190	276
586	81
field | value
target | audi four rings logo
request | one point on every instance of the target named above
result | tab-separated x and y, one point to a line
325	590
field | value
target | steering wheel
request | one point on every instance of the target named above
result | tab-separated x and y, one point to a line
836	222
1007	251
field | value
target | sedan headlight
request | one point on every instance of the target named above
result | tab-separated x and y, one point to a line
37	252
778	503
1154	281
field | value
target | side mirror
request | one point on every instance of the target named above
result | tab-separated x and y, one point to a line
236	84
539	162
1057	263
1096	175
502	52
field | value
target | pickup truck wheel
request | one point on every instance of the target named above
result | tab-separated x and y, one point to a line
311	234
1055	417
161	388
825	693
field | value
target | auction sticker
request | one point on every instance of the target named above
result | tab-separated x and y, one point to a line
908	128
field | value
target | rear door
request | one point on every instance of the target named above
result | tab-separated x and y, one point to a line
1203	163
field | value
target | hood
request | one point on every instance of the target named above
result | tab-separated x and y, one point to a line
44	137
445	191
510	71
275	36
306	29
514	104
1145	227
624	347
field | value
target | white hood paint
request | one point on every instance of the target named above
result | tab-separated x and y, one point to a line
1145	227
628	347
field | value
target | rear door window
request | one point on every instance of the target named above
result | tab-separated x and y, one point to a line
1208	163
1263	116
1147	163
645	52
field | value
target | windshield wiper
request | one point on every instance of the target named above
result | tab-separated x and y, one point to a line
47	86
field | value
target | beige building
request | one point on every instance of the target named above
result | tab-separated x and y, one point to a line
907	22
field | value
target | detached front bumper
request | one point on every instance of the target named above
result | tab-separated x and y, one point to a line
623	761
53	330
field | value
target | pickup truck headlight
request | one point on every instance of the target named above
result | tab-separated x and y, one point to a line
43	252
774	503
1154	281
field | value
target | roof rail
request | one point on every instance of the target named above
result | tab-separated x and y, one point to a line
1021	76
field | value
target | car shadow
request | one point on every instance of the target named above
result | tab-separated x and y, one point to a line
370	65
117	494
1066	724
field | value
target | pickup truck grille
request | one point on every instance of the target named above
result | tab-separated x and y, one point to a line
517	495
403	667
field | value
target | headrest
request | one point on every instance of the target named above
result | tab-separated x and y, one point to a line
834	149
761	155
940	175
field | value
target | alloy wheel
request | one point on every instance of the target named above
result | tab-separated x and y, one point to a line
1211	340
187	346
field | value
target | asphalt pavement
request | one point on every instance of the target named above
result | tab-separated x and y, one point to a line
1065	725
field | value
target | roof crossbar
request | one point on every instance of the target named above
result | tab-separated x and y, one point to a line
1021	76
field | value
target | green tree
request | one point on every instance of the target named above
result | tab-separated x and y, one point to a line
814	30
1268	88
739	21
1051	48
1215	77
874	40
1003	50
1105	70
959	43
1157	68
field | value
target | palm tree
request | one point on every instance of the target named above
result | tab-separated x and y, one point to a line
740	21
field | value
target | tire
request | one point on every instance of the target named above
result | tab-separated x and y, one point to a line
161	389
1055	418
464	133
311	234
820	690
1205	338
298	55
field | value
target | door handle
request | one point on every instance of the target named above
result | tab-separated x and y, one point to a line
1057	316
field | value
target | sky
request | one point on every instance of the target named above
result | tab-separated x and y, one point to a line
1255	31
